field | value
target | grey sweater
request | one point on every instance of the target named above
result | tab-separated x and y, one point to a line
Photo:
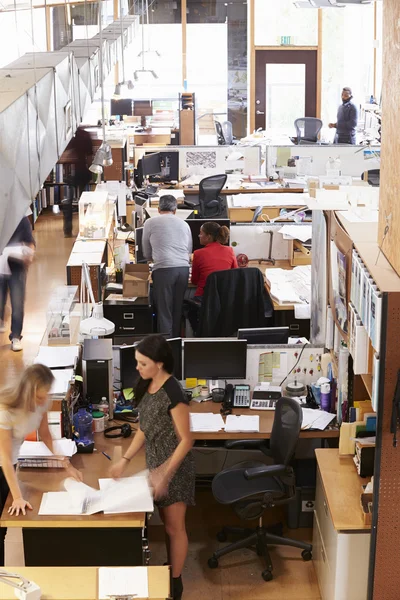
167	241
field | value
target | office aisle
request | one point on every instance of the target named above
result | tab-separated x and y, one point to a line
239	576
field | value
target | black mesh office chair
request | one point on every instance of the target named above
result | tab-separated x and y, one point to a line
307	130
220	134
253	487
209	204
374	177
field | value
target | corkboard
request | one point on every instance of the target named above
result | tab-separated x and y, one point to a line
390	151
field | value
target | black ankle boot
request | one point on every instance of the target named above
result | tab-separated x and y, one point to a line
177	588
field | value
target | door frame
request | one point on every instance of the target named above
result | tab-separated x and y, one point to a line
288	56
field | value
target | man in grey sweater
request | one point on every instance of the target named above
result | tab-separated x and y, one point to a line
167	241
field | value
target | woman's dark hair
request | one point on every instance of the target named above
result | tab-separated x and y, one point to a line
156	348
219	233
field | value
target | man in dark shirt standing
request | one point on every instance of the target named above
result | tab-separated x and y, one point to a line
15	282
347	118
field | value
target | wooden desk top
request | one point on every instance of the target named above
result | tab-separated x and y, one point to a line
194	189
34	482
80	583
266	422
342	486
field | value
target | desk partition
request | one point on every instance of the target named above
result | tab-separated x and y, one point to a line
354	159
210	160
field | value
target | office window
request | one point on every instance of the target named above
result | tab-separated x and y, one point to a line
16	34
167	12
207	75
285	95
277	19
347	56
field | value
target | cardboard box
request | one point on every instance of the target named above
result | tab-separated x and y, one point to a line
136	280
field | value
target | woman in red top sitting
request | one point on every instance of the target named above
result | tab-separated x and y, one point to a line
214	257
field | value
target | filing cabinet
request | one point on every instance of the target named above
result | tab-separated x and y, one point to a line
130	318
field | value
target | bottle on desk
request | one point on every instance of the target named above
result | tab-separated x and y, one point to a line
83	424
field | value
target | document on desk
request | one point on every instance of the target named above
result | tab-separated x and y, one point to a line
128	494
316	419
123	581
57	356
242	423
177	194
62	377
61	447
78	499
290	286
269	199
296	232
206	422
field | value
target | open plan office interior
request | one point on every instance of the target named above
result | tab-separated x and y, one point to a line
276	122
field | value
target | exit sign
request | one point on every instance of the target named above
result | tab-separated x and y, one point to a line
286	40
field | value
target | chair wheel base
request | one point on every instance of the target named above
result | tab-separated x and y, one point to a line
212	562
306	555
267	575
221	536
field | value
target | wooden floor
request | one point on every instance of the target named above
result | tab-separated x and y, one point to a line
239	574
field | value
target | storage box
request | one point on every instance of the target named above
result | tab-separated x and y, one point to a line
136	280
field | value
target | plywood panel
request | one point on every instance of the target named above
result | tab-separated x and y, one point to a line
390	152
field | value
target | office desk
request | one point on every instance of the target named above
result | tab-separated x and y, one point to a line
94	540
161	136
341	539
80	583
266	422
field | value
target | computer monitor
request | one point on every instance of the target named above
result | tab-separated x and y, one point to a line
195	225
121	107
169	167
216	359
265	335
127	361
142	108
138	245
151	164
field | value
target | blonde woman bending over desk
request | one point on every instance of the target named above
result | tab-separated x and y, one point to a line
23	409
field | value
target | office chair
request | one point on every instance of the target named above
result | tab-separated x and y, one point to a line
257	213
220	134
252	487
374	177
233	299
209	203
307	130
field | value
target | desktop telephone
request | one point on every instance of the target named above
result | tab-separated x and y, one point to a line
237	396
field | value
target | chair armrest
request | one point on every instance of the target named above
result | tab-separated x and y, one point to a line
265	471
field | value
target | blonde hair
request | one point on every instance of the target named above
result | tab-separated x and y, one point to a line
22	396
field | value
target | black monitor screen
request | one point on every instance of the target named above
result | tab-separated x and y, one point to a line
195	225
142	108
169	167
265	335
138	243
127	361
151	164
121	107
217	359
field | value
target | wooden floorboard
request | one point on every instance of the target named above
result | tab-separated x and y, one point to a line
239	574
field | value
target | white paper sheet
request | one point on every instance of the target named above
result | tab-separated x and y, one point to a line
62	447
175	193
242	423
57	356
126	495
270	199
297	232
206	422
316	419
120	581
83	246
62	377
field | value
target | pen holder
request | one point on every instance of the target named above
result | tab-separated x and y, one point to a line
218	394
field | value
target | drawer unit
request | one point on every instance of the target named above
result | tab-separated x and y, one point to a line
130	318
341	557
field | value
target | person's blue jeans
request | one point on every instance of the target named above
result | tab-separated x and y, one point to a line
15	284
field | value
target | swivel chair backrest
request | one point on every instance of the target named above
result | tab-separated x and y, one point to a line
285	430
307	129
220	133
227	132
209	190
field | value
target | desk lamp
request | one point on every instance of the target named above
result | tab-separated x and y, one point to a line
24	589
96	325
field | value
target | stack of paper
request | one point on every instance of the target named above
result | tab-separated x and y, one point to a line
129	494
62	377
290	286
296	232
62	447
242	423
56	357
316	419
123	582
206	422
